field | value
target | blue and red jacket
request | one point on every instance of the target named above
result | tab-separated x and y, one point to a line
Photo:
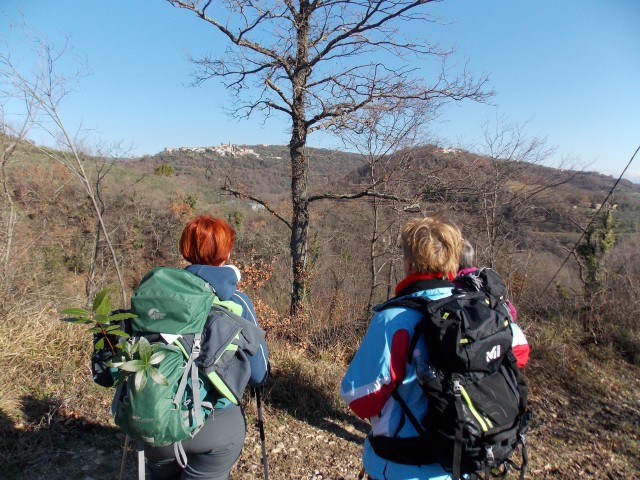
380	366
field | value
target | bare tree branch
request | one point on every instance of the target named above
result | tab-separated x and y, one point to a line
352	196
239	194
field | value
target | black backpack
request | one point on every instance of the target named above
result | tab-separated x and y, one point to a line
477	414
484	279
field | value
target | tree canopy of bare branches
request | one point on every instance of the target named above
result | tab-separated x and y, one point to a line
320	63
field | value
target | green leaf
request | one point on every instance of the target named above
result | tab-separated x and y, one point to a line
95	329
121	316
104	309
119	333
99	345
158	377
144	349
133	366
76	312
78	321
140	381
111	328
157	357
132	348
122	345
99	301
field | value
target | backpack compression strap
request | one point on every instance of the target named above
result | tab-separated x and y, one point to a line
190	370
190	367
459	440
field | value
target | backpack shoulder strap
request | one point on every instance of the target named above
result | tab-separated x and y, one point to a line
405	408
417	303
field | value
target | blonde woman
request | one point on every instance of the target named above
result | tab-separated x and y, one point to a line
431	248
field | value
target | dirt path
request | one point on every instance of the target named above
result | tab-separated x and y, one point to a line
587	440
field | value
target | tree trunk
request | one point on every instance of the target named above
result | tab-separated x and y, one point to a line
12	215
300	222
373	243
299	165
93	263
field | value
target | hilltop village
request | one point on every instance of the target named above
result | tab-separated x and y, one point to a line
222	149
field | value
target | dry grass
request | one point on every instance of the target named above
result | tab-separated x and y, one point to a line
30	341
45	383
586	403
306	386
56	424
10	403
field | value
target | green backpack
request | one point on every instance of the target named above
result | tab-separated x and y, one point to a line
189	344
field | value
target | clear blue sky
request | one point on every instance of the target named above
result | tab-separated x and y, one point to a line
569	68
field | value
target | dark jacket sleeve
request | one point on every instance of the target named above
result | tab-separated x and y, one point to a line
260	360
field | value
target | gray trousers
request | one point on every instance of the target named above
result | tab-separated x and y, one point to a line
211	453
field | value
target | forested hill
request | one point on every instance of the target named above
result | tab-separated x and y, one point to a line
271	164
265	173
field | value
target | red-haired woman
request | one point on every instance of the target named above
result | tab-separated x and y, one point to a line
206	244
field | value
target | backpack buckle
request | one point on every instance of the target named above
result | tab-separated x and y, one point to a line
195	349
457	389
490	456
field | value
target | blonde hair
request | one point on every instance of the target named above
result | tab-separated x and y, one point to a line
432	245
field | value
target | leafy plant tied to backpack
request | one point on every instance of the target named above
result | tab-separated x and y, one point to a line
139	358
191	344
105	324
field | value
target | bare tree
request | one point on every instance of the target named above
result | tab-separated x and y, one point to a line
45	89
10	138
385	141
319	63
105	159
509	179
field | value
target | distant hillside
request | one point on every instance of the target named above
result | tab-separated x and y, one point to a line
268	171
447	177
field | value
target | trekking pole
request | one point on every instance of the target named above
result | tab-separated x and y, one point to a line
256	391
124	456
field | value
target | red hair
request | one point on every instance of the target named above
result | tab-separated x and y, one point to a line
207	241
